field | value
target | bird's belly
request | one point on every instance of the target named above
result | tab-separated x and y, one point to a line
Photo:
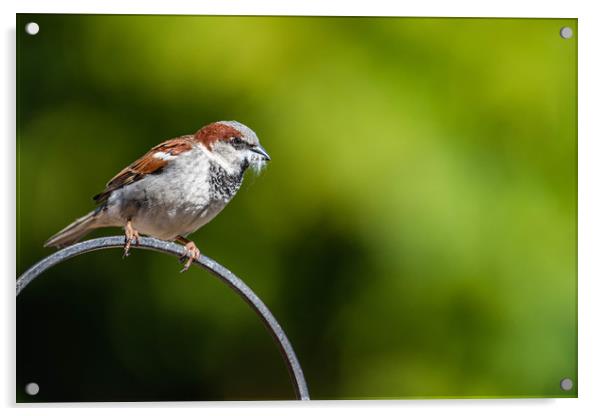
172	221
169	205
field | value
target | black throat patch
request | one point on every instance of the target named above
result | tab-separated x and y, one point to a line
222	185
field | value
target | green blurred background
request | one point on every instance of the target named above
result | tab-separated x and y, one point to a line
415	234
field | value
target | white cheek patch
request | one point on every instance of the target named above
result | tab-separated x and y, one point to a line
163	156
214	156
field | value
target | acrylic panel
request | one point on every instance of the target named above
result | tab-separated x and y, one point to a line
414	233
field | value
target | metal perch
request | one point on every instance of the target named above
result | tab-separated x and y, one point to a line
290	359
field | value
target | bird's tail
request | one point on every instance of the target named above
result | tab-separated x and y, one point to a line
74	231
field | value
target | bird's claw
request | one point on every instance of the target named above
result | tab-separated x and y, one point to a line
130	235
191	254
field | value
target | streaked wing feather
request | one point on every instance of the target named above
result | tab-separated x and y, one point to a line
146	165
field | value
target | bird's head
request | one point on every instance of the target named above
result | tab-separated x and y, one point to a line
233	145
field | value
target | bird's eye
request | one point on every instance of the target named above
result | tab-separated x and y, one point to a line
237	140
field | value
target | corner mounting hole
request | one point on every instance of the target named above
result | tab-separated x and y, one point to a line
32	28
32	389
566	384
566	32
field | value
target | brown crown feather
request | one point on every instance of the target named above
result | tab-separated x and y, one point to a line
214	132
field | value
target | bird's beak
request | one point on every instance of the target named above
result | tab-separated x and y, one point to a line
260	150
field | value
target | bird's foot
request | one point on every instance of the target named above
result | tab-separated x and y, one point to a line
130	235
192	253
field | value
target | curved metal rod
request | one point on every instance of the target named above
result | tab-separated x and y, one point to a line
225	275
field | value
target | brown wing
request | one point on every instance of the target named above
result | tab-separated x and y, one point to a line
146	165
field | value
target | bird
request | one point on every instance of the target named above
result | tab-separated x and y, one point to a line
177	187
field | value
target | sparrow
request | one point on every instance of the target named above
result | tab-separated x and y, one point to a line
174	189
